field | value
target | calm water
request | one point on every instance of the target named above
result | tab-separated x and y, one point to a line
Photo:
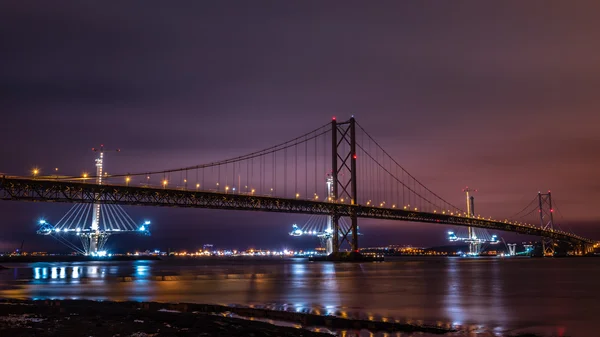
485	297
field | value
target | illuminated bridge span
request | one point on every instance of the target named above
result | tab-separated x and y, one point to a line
288	178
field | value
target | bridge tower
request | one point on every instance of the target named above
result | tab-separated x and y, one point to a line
546	221
95	237
329	226
512	249
474	244
343	179
95	240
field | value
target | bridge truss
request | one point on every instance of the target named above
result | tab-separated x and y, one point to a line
74	192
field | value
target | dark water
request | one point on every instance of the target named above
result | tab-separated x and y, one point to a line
482	296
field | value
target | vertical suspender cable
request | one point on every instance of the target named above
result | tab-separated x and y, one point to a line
305	168
315	177
296	170
285	172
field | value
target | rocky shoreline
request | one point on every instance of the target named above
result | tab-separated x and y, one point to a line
144	319
112	319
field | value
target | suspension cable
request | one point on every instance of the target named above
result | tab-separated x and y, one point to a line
395	162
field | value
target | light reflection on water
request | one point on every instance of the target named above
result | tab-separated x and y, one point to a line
485	296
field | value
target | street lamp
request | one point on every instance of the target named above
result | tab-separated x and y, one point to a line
226	189
165	182
127	180
35	171
197	186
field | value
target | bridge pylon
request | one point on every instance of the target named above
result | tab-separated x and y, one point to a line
512	249
343	180
546	221
474	243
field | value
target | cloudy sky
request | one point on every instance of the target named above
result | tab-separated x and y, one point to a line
499	96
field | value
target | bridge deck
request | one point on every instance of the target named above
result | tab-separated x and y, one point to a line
47	190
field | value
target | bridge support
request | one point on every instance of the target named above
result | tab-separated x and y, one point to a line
93	244
343	164
589	248
512	249
474	242
335	244
546	222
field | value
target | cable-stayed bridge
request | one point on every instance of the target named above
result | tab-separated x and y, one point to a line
337	170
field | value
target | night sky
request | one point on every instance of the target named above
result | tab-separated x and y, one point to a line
502	97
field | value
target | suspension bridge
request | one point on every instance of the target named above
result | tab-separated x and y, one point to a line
290	177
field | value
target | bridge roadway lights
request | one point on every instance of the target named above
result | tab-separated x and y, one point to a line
39	190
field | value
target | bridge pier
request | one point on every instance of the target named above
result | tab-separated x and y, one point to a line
335	220
354	232
512	249
588	249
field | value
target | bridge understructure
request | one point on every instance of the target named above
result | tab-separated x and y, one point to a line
72	192
286	178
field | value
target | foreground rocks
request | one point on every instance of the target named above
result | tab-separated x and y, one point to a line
71	318
99	319
182	319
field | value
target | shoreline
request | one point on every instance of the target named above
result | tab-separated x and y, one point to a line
178	318
73	258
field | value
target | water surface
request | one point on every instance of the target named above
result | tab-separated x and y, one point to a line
485	296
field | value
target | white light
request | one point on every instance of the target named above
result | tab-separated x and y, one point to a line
42	222
143	228
78	229
147	222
